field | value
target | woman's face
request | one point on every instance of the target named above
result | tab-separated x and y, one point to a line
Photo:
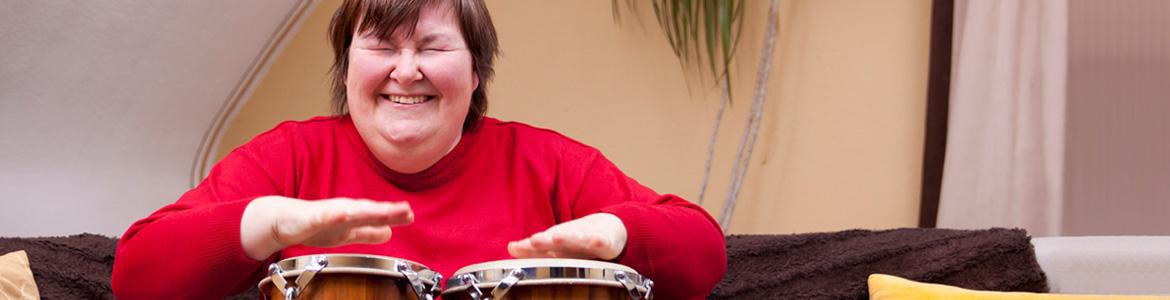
409	96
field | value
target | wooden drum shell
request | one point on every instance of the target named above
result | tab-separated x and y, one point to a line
329	286
548	279
349	276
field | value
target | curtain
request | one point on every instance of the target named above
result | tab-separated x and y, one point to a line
1005	137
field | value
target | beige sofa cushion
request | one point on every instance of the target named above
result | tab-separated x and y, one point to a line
16	279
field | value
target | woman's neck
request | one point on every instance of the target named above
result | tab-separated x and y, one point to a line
411	160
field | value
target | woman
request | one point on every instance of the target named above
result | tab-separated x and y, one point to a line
410	154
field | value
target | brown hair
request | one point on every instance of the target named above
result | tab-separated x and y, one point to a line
382	17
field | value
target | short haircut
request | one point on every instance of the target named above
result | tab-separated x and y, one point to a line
383	17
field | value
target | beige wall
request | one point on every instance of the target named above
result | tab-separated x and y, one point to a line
843	144
841	140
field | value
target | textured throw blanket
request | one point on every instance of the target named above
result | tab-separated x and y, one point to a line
830	265
75	267
835	265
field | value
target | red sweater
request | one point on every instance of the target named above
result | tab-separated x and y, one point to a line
503	182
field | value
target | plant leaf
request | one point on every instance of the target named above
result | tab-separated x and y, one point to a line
699	32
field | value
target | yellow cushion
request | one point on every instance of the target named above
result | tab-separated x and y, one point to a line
886	287
16	279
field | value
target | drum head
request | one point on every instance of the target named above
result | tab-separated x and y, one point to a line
543	271
365	264
510	264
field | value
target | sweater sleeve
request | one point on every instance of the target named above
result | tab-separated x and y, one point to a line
670	240
191	249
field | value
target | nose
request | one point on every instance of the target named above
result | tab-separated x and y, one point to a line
406	68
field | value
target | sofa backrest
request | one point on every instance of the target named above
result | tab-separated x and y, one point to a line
1105	264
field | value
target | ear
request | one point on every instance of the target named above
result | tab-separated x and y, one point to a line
474	80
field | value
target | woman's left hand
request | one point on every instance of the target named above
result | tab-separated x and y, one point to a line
596	236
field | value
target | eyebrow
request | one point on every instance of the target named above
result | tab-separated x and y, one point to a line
432	37
427	38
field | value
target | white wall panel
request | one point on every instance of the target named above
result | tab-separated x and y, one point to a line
103	104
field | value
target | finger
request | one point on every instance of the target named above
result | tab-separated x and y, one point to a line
523	249
518	249
337	219
327	217
378	213
368	235
398	214
301	223
541	241
603	248
552	244
569	241
597	245
563	240
577	245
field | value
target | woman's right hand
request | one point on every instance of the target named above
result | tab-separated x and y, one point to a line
271	223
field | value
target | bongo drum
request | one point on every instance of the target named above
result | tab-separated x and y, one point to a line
349	276
547	279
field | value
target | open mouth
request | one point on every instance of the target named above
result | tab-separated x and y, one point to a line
406	100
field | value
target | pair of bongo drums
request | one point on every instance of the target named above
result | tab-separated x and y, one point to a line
356	276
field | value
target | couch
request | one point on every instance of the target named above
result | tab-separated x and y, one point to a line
830	265
1137	265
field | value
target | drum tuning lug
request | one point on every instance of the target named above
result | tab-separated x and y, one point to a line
507	283
420	290
436	290
649	285
277	275
630	286
316	264
290	293
472	290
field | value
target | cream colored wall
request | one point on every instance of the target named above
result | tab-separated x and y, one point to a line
841	139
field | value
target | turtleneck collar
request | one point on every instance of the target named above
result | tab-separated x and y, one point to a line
444	170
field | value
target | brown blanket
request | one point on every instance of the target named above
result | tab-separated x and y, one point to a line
835	265
804	266
74	267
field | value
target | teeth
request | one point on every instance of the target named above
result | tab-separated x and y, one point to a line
407	100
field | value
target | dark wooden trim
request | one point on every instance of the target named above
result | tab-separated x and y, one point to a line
937	103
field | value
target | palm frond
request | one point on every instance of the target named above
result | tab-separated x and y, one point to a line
700	32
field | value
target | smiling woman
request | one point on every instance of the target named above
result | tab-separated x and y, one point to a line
410	153
411	89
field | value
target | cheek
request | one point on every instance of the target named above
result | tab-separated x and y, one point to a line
364	73
451	75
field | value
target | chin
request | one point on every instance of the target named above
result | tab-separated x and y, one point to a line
404	137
